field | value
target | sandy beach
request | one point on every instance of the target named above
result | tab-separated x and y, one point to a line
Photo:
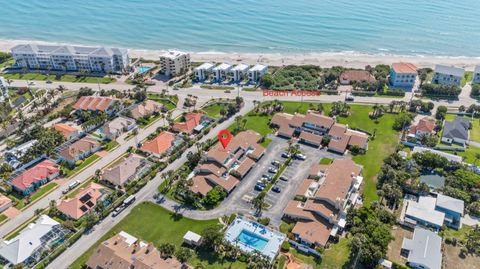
327	59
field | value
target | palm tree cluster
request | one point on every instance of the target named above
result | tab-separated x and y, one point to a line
268	108
340	108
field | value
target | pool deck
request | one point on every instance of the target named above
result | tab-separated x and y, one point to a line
274	238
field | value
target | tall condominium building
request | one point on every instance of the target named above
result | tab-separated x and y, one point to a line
174	62
70	58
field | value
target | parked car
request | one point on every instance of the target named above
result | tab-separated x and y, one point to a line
49	82
276	189
300	156
269	177
259	187
273	170
276	163
227	91
118	210
286	155
283	178
349	99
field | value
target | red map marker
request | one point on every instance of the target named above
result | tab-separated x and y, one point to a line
224	136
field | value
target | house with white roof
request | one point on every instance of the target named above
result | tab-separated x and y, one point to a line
256	72
239	72
203	71
423	250
32	241
221	71
434	212
476	75
448	156
453	209
70	58
448	75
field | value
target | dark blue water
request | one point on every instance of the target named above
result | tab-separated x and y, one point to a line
407	27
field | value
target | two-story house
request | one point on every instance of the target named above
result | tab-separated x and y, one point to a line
448	75
403	75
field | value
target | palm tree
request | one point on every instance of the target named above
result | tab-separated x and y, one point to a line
166	249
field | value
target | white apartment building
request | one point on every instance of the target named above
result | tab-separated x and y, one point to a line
447	75
174	63
3	89
221	71
239	72
70	58
476	75
256	72
203	71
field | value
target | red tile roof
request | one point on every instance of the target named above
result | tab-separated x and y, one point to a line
191	121
159	144
82	203
94	103
40	171
404	68
357	75
65	129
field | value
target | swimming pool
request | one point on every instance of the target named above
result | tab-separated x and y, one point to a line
252	240
143	69
251	236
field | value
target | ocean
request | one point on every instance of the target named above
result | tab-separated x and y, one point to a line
388	27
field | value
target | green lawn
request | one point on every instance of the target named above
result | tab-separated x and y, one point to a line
7	63
63	78
467	77
152	223
469	155
3	217
325	161
151	120
266	142
213	111
167	104
43	190
249	89
336	256
111	145
213	87
84	164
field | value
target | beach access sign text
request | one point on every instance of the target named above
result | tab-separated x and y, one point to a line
291	93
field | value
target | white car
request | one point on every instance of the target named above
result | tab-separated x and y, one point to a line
301	157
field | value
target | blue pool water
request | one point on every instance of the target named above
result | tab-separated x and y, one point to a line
252	240
143	69
407	27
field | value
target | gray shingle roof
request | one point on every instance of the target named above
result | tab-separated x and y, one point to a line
425	248
449	70
458	128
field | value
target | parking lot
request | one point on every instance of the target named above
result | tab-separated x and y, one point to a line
296	172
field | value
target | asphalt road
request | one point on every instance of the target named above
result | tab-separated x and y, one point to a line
464	98
145	194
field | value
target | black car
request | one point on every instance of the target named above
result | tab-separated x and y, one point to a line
283	178
276	189
286	155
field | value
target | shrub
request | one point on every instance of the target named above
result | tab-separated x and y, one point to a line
285	246
264	221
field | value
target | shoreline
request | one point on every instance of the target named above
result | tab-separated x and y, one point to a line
323	59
